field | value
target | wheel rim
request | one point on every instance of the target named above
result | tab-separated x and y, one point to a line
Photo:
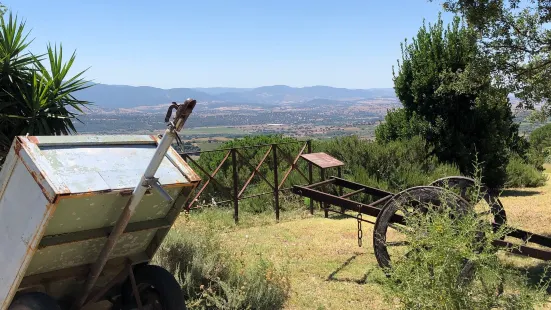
493	210
149	297
389	237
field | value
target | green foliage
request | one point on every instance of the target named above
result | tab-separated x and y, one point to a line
522	174
248	158
400	124
213	279
392	166
540	142
515	37
448	97
35	98
449	265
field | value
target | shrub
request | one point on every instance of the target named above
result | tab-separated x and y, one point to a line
433	276
522	174
212	279
392	166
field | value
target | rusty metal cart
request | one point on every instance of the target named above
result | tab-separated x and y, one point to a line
388	210
82	216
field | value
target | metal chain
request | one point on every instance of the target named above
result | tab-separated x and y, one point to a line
360	232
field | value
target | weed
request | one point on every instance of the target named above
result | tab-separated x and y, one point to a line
452	263
212	279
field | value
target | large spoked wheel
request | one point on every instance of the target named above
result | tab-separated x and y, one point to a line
389	235
33	301
491	208
157	289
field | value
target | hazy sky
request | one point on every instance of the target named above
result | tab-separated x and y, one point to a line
202	43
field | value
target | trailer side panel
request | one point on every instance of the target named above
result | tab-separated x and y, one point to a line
24	212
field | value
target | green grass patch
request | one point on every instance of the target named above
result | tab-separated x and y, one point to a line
209	146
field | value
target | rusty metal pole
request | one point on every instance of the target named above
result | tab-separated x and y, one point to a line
235	186
339	174
182	113
310	175
324	205
276	182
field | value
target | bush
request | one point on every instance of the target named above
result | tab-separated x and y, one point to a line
433	276
393	166
212	279
522	174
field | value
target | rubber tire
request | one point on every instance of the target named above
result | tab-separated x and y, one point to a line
33	301
169	290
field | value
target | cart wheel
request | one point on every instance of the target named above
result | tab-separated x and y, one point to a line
33	301
392	243
492	208
158	289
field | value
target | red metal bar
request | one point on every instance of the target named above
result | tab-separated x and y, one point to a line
241	147
247	197
134	287
288	159
211	177
384	199
235	186
353	185
116	279
351	205
293	166
310	175
255	171
352	193
276	189
524	250
530	237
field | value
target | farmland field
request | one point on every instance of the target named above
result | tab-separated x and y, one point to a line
213	131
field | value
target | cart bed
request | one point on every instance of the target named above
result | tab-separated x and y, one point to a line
61	196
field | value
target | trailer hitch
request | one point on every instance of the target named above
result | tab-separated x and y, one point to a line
182	113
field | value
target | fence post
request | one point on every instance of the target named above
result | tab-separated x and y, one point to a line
235	187
310	175
324	205
276	182
339	174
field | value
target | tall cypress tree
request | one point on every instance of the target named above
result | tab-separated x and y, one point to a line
450	97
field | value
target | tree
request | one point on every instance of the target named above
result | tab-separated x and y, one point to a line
446	90
514	37
540	138
34	98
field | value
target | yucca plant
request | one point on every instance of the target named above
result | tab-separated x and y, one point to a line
35	98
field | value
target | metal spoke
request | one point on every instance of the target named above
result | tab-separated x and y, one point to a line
399	228
397	243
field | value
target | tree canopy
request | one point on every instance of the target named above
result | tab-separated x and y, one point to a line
446	90
36	98
514	37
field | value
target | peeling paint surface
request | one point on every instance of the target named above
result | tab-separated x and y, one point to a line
66	184
97	211
92	139
85	252
109	167
22	221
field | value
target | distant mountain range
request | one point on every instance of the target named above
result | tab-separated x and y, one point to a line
123	96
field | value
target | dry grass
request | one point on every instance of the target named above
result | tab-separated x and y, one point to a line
328	270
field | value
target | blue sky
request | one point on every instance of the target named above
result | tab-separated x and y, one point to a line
223	43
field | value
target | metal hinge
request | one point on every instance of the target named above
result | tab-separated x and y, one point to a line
154	183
